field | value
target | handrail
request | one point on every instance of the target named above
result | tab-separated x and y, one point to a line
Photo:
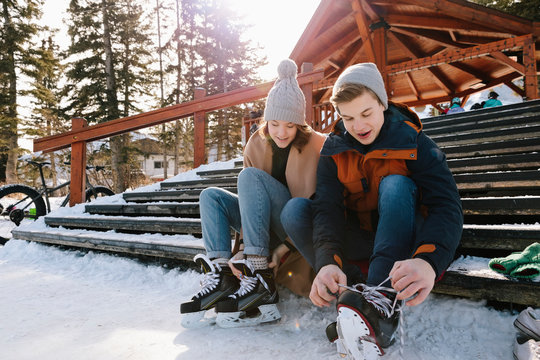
80	133
166	114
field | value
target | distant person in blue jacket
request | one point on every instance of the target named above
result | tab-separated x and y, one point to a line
492	100
455	106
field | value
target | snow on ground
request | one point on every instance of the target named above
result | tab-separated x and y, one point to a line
60	304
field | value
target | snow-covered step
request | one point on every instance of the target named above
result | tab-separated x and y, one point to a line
507	238
179	247
508	181
146	209
515	205
220	173
140	224
478	125
510	110
201	183
509	133
471	277
511	162
514	146
168	195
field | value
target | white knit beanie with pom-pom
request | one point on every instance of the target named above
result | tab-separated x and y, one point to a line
285	100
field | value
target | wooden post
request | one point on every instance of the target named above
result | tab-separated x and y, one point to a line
529	61
77	187
307	89
379	42
199	136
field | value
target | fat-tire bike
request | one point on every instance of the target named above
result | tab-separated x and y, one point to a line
19	202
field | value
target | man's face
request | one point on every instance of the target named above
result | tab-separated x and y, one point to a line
363	117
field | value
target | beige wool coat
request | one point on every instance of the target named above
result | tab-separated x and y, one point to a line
301	171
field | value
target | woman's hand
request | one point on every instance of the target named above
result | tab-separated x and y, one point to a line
277	254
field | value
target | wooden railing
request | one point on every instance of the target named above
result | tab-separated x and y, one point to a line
81	133
324	116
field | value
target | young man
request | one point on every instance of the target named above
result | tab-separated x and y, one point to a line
384	193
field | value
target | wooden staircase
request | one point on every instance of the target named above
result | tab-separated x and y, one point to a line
493	153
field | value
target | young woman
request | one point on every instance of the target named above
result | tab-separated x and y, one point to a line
280	163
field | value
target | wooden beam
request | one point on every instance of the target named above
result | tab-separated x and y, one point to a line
363	29
438	77
330	51
163	115
440	99
503	59
475	14
516	88
459	55
311	30
412	85
379	42
77	186
531	75
199	119
307	89
439	23
440	38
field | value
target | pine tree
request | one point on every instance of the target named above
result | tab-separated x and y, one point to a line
109	71
17	26
47	118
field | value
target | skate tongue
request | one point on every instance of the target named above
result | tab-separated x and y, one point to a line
244	266
205	263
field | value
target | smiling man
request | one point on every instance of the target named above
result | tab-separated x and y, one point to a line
384	194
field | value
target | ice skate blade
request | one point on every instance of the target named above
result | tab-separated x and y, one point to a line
197	320
268	313
356	336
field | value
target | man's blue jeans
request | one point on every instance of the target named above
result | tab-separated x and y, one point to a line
393	241
256	210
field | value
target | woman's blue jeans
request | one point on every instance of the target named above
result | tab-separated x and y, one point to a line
256	209
393	241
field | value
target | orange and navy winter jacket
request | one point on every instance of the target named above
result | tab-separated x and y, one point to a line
348	178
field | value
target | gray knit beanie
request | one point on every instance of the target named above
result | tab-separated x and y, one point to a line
285	100
365	74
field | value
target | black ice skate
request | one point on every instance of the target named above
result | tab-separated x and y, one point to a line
217	284
366	322
253	303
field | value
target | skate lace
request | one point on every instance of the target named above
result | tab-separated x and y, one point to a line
209	281
383	304
247	284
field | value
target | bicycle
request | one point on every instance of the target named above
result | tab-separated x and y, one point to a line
19	202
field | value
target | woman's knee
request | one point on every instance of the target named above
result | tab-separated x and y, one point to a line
248	175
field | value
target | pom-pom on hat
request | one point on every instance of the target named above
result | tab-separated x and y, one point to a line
285	101
365	74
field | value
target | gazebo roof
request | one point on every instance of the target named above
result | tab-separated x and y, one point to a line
428	50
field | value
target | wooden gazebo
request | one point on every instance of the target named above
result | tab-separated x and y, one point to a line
428	51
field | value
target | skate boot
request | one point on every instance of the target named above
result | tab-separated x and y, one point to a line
366	322
253	303
217	284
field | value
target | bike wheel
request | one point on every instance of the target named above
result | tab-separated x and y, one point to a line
19	202
99	191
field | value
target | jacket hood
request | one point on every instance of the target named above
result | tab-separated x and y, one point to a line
399	132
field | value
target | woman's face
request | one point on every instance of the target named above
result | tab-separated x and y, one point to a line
283	133
363	117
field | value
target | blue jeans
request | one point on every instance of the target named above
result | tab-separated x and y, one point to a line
256	209
393	240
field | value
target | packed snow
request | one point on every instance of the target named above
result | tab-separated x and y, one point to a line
65	304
